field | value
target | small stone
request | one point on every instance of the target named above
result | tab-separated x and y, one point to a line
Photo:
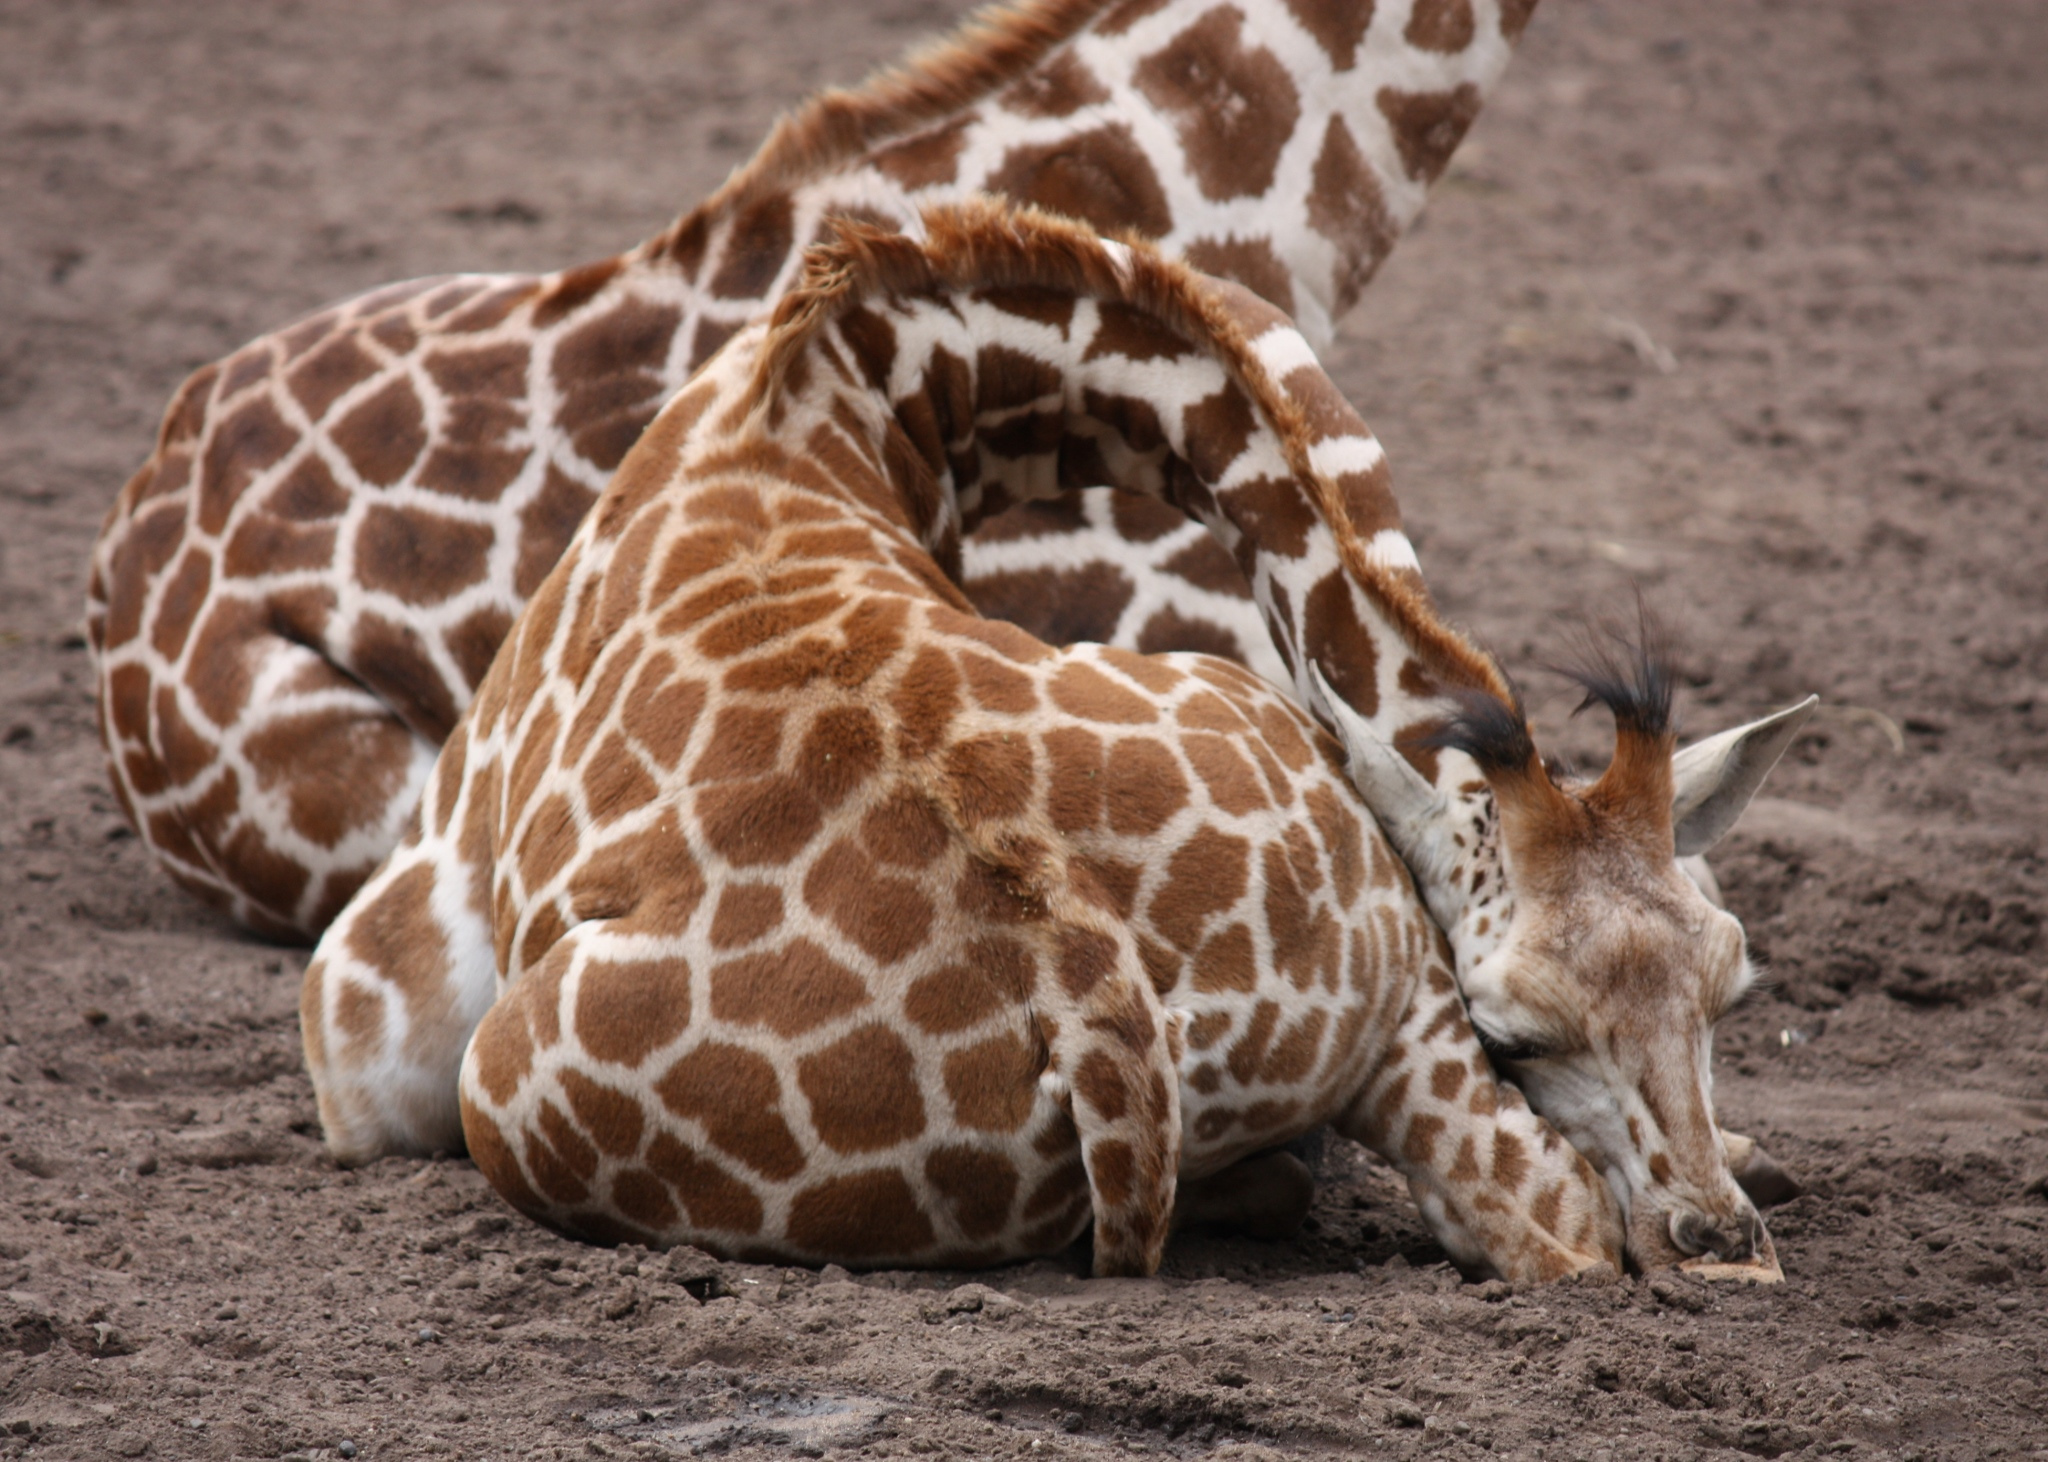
347	1449
146	1167
428	1335
1679	1295
127	1444
1404	1414
696	1271
967	1299
227	1312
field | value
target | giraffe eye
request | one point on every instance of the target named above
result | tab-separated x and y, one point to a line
1508	1050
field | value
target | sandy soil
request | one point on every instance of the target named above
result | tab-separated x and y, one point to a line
1744	302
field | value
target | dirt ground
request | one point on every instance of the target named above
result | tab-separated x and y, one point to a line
1744	302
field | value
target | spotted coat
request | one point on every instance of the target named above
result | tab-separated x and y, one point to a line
801	911
292	602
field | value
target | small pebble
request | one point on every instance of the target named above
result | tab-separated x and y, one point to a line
428	1335
227	1312
347	1448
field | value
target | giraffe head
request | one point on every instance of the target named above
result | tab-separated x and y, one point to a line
1593	965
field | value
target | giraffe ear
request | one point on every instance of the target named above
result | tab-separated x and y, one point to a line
1713	780
1401	800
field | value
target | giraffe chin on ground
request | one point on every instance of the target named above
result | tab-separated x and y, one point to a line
1593	961
798	910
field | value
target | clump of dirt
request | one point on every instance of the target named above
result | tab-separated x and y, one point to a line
1739	303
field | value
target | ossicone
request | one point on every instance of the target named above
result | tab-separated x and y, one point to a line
1632	674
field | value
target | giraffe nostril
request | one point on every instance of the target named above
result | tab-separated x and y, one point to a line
1696	1234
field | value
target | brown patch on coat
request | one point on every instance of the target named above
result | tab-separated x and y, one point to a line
993	1084
1251	262
1101	177
245	444
1061	606
420	557
1233	106
1428	125
1059	88
887	917
628	1009
746	912
713	1197
1206	875
1337	25
1346	206
1143	786
981	1187
384	435
930	159
789	990
735	1095
610	1118
1444	26
871	1215
863	1091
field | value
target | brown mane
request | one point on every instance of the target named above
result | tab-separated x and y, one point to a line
991	48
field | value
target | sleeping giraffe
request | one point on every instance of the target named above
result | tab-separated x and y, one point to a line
770	898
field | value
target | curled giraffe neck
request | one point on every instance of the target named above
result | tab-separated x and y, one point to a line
769	898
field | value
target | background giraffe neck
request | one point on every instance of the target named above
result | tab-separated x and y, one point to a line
1106	113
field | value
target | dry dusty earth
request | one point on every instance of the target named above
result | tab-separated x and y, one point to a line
1744	301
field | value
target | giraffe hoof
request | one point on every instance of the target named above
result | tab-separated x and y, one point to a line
1767	1184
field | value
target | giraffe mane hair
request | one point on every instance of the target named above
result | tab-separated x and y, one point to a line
990	49
987	243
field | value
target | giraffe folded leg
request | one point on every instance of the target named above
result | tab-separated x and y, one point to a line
267	780
395	988
1498	1187
1757	1172
1112	1063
